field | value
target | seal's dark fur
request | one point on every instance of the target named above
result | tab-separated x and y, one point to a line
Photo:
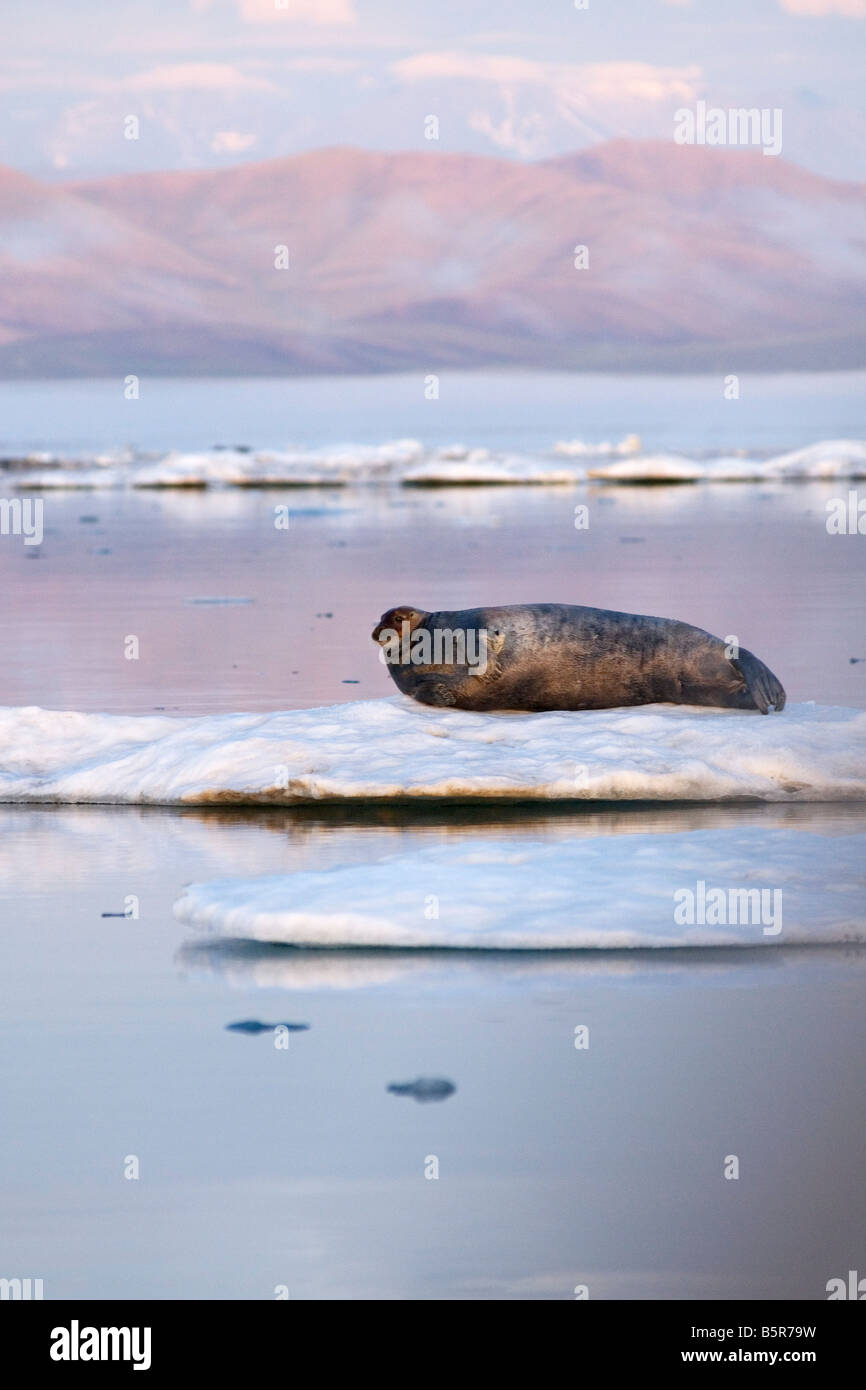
544	656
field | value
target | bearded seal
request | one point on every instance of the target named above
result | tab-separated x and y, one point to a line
544	656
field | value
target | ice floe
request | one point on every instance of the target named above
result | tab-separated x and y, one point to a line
746	887
837	458
407	462
479	467
393	749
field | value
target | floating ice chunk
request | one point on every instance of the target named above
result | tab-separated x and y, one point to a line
842	458
220	467
192	470
394	749
406	461
650	468
232	468
834	458
479	466
677	468
778	887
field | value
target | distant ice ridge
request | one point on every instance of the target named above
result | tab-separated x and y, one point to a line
406	462
611	893
390	749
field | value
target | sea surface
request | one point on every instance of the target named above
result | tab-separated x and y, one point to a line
499	410
265	1170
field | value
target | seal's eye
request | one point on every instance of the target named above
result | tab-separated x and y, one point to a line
403	614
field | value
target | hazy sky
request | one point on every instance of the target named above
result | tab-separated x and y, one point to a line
214	82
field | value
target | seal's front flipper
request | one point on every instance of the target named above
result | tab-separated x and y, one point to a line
766	691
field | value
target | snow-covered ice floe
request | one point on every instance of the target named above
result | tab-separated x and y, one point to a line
746	887
406	462
393	749
478	467
338	466
836	458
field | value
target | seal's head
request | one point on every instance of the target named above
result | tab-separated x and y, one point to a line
390	625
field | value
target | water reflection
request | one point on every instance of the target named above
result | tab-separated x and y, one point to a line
249	964
57	847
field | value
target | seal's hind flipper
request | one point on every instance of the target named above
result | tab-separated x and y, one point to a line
762	685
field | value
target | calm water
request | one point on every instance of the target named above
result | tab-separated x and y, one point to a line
501	410
300	604
261	1167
